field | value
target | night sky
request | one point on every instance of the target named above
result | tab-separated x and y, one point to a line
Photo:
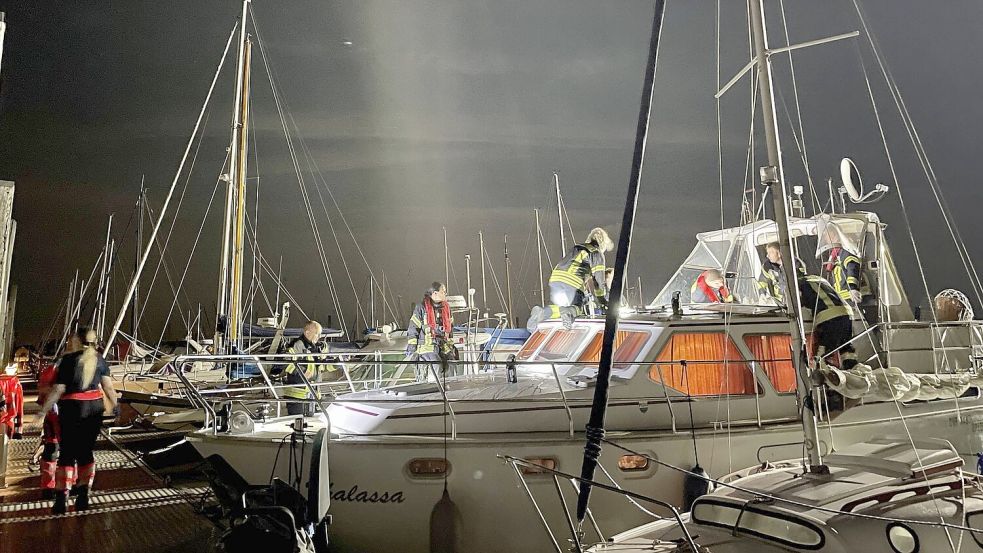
424	114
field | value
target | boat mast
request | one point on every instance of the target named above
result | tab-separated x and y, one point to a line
559	212
238	253
773	178
598	412
223	308
539	257
508	280
447	260
136	285
481	256
101	291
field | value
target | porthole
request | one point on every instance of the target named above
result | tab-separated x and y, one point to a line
545	465
428	468
902	538
633	463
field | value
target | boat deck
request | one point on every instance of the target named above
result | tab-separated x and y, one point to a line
134	506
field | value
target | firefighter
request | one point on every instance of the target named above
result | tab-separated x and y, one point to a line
11	403
771	281
305	344
842	265
83	378
710	288
585	263
50	431
832	326
431	330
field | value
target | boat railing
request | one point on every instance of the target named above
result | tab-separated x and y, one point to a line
938	330
523	467
267	390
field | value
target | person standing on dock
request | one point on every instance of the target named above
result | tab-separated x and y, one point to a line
83	378
307	345
584	264
431	329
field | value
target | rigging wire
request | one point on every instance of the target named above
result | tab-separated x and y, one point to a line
305	195
929	172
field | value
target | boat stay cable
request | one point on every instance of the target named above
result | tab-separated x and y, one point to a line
920	152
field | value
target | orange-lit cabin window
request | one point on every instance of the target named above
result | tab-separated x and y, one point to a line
428	467
561	344
546	464
773	354
531	345
627	345
714	365
633	463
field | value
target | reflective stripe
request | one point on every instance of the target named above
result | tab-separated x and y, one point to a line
88	395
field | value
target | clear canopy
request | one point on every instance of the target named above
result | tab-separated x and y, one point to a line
739	252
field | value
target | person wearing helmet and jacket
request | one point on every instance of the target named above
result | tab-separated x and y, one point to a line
307	345
431	329
582	265
832	324
771	281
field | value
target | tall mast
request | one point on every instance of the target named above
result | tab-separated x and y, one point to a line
481	255
539	257
774	177
101	291
222	304
238	249
559	212
136	284
508	280
447	260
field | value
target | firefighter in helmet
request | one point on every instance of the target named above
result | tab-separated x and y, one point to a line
582	265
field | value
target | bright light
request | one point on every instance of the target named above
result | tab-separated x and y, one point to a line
624	311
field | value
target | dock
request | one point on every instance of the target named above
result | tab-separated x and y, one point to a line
136	504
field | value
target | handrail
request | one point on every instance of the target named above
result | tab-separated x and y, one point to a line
517	461
563	396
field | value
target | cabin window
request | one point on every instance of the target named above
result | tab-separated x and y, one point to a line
561	344
975	521
546	464
714	365
531	345
627	345
428	467
902	538
773	354
769	525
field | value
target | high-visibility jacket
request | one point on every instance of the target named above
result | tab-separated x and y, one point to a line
702	292
12	411
310	369
771	281
844	272
584	262
421	338
819	296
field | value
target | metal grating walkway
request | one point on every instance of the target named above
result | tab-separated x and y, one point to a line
131	509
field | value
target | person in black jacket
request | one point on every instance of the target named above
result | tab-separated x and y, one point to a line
83	378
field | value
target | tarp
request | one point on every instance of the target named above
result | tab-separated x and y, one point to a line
254	331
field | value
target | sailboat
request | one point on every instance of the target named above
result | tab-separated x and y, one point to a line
716	382
893	494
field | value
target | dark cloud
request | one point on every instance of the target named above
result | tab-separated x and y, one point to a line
425	114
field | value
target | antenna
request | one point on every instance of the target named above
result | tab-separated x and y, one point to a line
854	187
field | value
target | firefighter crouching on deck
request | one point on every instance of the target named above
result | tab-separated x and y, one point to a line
569	280
305	345
430	331
83	377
